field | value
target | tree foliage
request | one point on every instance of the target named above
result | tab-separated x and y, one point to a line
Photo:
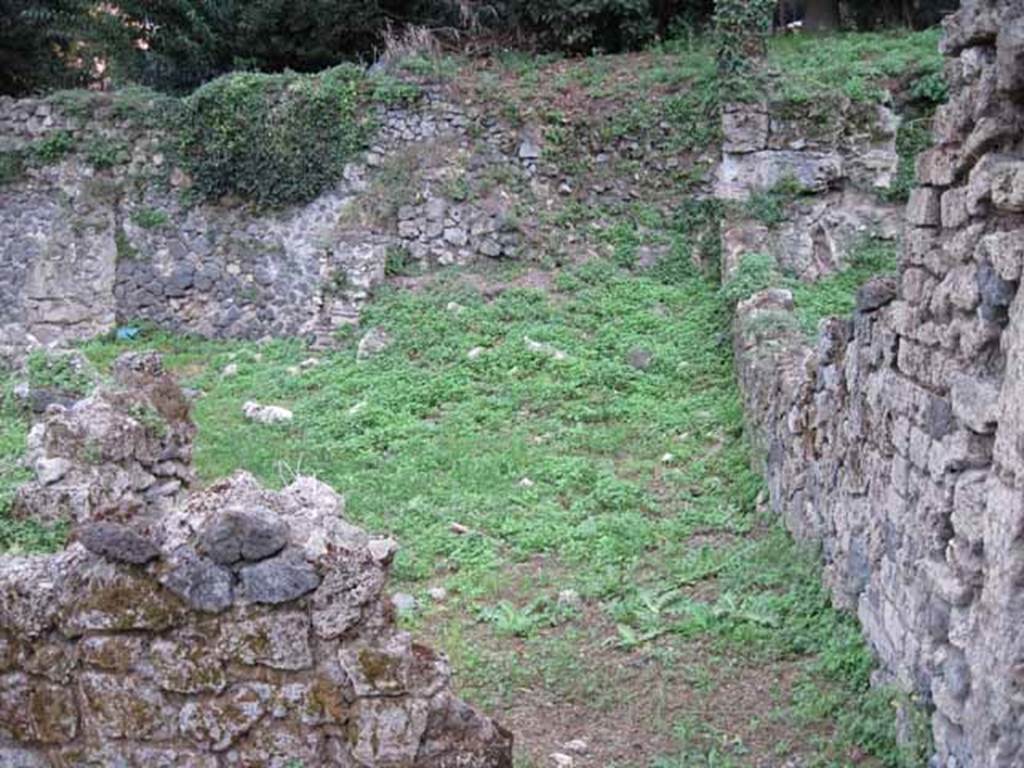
176	45
38	47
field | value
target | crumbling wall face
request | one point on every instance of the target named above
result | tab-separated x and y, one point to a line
834	157
897	442
85	244
122	452
248	628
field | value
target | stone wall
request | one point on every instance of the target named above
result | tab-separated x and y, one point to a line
233	627
897	440
123	451
105	232
829	162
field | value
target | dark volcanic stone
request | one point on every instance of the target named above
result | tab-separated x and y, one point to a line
996	294
201	583
38	399
114	541
243	534
285	577
876	293
939	418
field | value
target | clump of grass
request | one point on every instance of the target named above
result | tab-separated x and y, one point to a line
769	205
832	295
18	536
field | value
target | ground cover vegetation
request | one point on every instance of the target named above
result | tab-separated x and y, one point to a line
594	517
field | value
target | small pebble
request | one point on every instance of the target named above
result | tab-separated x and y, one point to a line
404	603
570	598
576	746
438	594
561	760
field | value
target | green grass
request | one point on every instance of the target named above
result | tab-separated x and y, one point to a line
836	294
18	536
604	471
856	65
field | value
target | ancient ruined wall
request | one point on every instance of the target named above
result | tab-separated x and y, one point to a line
233	627
897	440
102	230
830	161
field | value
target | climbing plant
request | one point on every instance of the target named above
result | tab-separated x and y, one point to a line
742	28
273	139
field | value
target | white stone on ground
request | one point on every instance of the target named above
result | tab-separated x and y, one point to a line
266	414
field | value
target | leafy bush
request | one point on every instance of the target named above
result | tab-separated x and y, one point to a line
12	166
742	28
105	153
586	25
52	148
930	88
273	139
58	371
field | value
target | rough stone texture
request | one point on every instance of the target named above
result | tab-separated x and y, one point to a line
83	249
897	442
180	661
123	450
839	154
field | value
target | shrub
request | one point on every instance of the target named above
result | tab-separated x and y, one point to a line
52	148
105	153
583	26
742	28
64	372
273	139
12	166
